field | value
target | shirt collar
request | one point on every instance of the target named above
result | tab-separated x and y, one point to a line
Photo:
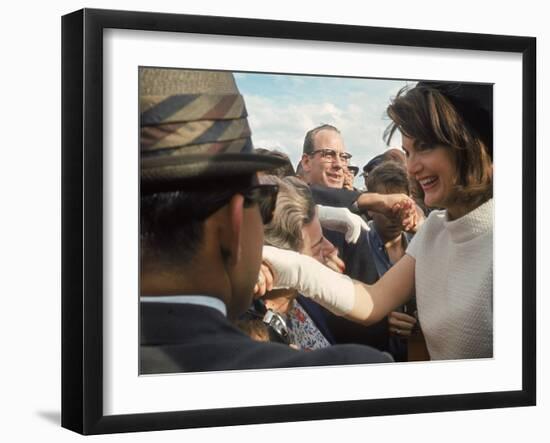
202	300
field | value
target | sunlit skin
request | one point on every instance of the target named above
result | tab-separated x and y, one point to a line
435	170
320	172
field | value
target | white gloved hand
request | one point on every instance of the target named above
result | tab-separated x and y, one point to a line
330	289
342	220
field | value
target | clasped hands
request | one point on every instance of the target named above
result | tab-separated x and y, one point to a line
401	209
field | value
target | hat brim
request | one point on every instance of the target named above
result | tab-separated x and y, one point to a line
170	173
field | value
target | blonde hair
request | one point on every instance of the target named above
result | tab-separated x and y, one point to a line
295	208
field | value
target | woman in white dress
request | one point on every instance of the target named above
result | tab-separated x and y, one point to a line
446	130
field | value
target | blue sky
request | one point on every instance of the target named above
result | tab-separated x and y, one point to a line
282	108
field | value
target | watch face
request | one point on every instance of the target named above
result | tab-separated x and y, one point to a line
277	323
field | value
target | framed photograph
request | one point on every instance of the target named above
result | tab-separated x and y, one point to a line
288	77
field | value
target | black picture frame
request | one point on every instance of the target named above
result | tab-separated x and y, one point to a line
82	218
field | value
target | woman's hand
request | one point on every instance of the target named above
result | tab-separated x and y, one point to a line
399	208
265	281
401	324
402	210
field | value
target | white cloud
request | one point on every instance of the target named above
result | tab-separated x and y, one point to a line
281	122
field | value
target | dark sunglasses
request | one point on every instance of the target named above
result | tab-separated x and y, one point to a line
354	170
265	196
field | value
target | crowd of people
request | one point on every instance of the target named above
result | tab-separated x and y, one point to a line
247	262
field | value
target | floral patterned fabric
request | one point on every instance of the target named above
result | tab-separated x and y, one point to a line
302	330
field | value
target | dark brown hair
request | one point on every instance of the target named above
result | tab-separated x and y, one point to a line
390	175
427	116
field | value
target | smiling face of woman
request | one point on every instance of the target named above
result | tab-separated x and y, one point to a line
446	155
435	171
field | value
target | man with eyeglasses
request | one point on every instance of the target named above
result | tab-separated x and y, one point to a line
324	157
201	230
325	161
350	172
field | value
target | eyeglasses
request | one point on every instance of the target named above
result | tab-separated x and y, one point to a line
265	196
353	169
329	155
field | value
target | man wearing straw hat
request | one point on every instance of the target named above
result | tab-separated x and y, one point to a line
201	230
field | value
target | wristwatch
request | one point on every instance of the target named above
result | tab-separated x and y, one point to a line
277	323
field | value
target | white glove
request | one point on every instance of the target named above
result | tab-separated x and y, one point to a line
330	289
342	220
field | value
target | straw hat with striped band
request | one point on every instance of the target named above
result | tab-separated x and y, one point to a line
193	127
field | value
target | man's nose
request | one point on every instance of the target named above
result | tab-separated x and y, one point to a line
337	162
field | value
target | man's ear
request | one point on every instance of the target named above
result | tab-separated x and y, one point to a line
235	212
306	163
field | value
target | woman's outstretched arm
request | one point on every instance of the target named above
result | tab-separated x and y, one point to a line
374	302
338	293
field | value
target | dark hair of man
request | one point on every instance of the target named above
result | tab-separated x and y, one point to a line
395	155
282	171
373	163
424	114
308	140
172	223
388	177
